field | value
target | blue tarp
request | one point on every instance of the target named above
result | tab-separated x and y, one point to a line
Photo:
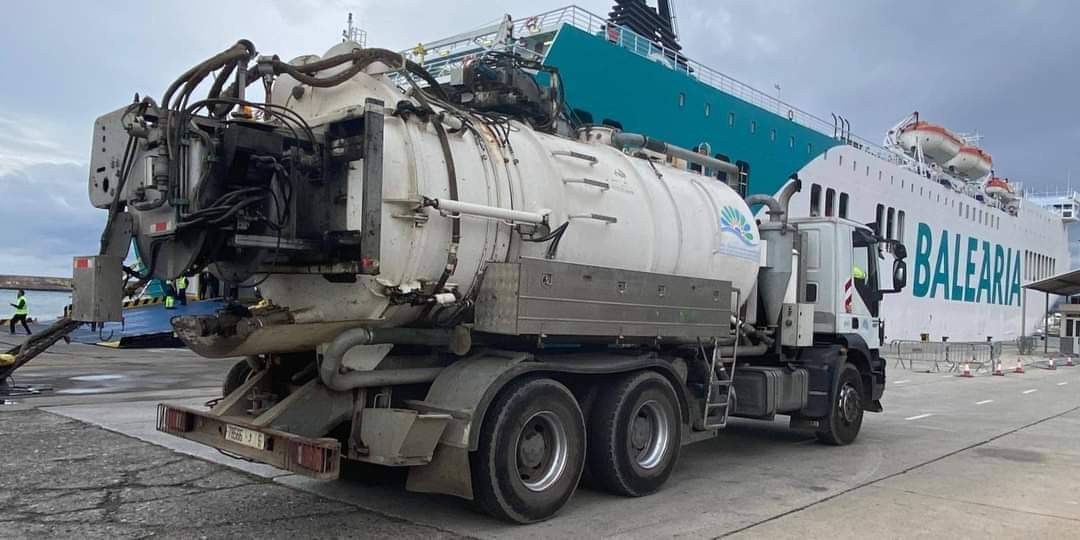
144	321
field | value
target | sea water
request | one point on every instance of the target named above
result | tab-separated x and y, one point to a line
44	305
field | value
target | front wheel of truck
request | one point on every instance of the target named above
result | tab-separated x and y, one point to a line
844	420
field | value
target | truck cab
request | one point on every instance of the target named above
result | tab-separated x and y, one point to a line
846	270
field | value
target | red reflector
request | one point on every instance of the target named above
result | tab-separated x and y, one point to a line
173	420
161	227
82	262
311	457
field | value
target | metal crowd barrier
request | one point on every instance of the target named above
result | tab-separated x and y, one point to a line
944	356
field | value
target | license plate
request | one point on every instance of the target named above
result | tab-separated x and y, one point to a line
246	437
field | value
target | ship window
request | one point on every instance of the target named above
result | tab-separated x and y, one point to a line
900	225
840	161
867	170
815	200
809	149
731	119
961	210
708	110
791	142
830	202
879	216
753	127
682	99
854	165
889	223
892	180
879	174
903	183
843	205
772	135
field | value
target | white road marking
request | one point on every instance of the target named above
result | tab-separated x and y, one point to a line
984	402
902	382
919	417
947	376
1063	383
1030	391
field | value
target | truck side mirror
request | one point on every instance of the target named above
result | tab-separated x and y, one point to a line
899	251
899	275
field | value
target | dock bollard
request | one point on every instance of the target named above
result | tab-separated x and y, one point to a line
1019	366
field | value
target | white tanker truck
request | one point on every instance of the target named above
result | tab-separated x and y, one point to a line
460	279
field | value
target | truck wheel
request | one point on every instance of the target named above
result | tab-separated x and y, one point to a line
531	453
635	433
842	424
237	375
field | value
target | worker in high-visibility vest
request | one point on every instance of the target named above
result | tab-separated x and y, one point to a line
181	290
22	311
858	273
170	295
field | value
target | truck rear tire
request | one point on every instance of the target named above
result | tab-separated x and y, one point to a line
844	420
635	433
237	375
531	453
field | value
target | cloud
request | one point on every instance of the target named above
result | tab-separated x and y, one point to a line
26	141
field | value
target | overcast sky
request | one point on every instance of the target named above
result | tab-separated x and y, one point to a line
1005	68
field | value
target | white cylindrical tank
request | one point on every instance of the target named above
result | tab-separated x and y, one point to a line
622	211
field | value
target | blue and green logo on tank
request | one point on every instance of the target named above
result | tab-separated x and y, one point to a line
732	220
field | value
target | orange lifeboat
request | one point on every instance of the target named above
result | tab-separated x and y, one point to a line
938	144
970	162
1000	188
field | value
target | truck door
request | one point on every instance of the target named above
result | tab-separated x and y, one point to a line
862	300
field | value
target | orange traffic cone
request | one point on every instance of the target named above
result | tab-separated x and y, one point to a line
998	370
966	371
1069	361
1050	364
1019	366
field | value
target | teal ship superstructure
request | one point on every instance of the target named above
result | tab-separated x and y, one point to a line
678	106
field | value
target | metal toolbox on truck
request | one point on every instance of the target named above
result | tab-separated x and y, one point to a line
544	297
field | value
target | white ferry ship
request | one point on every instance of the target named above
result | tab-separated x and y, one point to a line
973	239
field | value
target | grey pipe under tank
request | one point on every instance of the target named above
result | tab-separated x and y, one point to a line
332	375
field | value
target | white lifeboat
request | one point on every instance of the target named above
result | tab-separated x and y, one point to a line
1000	188
970	162
938	144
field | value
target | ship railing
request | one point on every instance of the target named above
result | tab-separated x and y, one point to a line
443	56
944	356
440	54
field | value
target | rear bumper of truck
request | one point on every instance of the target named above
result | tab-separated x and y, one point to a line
314	457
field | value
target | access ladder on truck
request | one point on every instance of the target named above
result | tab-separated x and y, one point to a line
718	389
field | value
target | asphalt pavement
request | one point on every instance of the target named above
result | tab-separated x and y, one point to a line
951	456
